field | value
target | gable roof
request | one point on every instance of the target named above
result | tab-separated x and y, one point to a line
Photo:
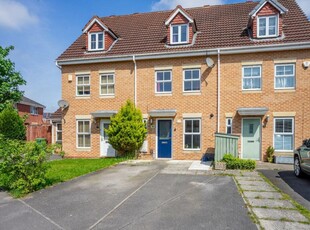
96	19
274	3
181	10
28	101
223	26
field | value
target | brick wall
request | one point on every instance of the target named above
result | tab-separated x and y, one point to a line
232	97
25	110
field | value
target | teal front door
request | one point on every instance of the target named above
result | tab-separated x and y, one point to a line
251	139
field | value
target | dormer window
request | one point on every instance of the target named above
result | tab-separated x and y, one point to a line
179	34
267	26
96	41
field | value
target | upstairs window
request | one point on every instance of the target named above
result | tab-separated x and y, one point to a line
107	84
163	82
33	110
267	26
191	80
285	76
95	41
83	85
251	78
179	34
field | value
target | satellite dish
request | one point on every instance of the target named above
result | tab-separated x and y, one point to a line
210	62
63	104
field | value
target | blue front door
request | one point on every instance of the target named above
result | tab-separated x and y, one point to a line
164	139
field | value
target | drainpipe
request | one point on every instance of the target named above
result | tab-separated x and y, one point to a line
135	79
218	89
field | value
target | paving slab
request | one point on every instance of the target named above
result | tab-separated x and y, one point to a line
277	214
270	203
201	166
262	195
281	225
264	187
250	173
247	178
248	182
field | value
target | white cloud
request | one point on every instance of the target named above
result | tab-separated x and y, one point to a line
15	15
305	5
171	4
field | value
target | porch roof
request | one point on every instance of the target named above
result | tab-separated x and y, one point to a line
163	113
257	111
103	113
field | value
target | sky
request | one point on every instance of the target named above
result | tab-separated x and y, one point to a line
40	30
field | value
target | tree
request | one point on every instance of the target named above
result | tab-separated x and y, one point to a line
11	124
127	130
10	80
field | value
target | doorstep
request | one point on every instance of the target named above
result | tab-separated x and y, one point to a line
201	166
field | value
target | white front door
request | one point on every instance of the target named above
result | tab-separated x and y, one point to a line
106	150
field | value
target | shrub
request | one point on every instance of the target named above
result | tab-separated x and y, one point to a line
127	130
22	166
236	163
270	153
11	124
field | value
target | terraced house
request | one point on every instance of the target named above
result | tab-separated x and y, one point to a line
241	69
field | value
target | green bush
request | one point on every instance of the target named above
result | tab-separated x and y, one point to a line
270	154
22	166
11	124
236	163
127	130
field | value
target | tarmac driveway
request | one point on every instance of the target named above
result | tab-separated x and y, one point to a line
143	196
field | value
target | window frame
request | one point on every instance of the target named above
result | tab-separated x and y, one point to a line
275	76
260	77
192	133
227	125
179	33
106	84
83	133
97	41
58	131
184	80
163	81
34	110
292	133
76	87
276	16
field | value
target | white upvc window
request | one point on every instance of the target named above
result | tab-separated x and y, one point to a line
107	84
191	79
58	132
251	77
267	26
192	134
163	81
229	125
83	133
285	76
82	85
96	41
179	34
284	134
33	110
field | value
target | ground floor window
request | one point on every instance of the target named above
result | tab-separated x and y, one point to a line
192	134
229	125
284	134
58	132
83	133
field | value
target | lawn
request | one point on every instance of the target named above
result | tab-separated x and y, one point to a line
66	169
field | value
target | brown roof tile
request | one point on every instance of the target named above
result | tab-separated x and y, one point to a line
218	27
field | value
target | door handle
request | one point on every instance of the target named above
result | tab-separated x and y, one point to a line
251	141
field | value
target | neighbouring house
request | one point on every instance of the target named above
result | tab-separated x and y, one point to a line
56	122
36	127
240	69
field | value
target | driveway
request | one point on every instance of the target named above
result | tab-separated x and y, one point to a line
297	188
139	196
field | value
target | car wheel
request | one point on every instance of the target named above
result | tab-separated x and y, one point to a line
297	168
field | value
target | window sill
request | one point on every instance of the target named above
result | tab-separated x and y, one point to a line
82	97
185	151
163	94
83	149
252	91
107	96
191	93
285	90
